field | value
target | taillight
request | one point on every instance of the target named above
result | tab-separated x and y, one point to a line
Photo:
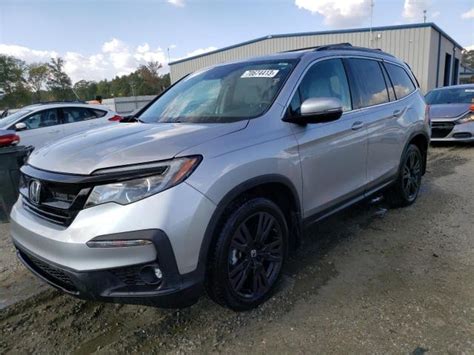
471	108
116	118
9	139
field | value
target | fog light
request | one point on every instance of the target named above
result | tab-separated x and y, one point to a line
151	275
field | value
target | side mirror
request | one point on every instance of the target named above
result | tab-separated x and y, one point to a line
317	110
21	126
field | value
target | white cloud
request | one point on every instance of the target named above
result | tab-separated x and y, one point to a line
435	14
413	9
27	54
468	14
201	51
178	3
341	13
469	48
115	58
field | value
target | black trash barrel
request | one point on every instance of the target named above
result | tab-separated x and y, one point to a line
11	160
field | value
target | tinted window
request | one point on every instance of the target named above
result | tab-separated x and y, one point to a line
370	82
324	79
451	96
42	119
222	94
77	114
400	79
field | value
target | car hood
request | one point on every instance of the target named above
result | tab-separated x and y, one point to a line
448	111
125	144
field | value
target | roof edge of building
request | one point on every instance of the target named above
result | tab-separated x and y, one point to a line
350	30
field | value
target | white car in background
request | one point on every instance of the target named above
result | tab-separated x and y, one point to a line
41	124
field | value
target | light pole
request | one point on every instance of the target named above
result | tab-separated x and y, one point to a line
371	21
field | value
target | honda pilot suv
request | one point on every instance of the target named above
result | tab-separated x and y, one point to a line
214	182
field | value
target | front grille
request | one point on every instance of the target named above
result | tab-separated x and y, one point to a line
59	202
55	275
441	129
62	217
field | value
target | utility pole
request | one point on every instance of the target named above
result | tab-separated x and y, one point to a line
168	50
371	21
424	16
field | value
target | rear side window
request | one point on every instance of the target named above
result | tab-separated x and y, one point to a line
323	79
77	114
368	78
401	81
98	113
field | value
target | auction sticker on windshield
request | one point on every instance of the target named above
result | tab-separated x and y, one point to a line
262	73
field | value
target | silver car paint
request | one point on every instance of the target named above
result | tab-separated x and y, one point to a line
124	144
325	163
452	113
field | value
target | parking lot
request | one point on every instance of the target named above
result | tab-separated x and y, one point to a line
367	280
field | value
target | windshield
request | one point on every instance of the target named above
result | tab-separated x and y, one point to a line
222	94
10	119
451	96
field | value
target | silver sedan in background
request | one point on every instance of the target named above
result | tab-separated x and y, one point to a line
451	110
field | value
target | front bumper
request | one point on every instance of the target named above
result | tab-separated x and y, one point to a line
124	284
175	220
449	131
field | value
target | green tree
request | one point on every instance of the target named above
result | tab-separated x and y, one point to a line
13	82
468	59
58	81
12	73
37	78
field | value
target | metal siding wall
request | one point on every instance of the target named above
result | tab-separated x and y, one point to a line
413	45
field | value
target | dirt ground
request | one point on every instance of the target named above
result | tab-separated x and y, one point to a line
365	281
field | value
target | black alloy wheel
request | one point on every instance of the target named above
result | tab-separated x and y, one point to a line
248	255
411	175
255	255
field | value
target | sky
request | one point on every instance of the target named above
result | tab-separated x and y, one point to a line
102	39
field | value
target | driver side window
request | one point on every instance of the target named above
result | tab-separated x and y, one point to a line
324	79
42	119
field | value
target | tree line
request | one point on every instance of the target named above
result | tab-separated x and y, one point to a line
24	84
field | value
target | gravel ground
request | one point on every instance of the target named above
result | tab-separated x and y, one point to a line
368	280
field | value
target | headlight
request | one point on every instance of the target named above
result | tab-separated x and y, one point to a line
468	118
169	174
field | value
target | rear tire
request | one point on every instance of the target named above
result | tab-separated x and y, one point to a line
404	191
247	259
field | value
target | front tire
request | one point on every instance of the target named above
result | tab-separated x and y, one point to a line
405	190
247	259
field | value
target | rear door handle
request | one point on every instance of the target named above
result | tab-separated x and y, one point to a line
397	113
357	125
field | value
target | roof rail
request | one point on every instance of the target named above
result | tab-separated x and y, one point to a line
339	46
350	47
327	47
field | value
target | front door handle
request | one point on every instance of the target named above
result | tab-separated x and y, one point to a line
357	125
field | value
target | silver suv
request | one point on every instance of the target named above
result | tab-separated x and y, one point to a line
213	183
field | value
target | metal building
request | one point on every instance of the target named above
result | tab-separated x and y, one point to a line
431	53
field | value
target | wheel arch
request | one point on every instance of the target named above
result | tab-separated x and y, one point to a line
421	140
277	188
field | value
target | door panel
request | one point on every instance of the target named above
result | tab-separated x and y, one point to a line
333	154
333	161
375	98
